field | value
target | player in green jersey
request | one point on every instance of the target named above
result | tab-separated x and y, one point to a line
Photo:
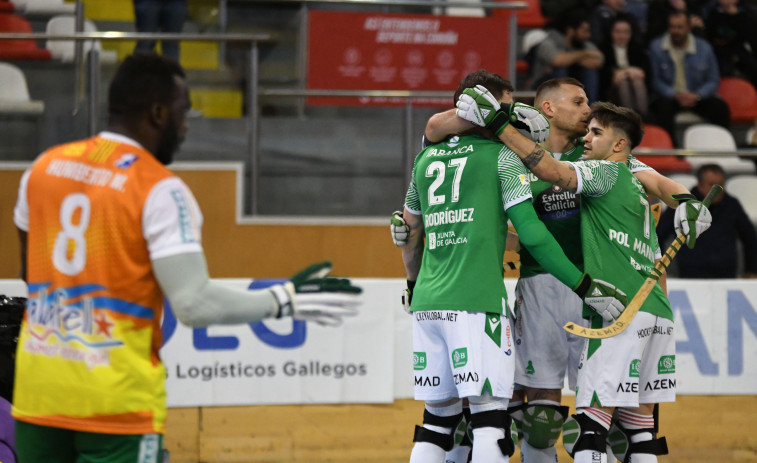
634	370
458	203
545	351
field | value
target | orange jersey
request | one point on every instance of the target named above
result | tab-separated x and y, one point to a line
88	350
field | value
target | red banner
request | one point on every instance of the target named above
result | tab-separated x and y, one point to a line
381	51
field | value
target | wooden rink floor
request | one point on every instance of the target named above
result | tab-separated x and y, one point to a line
699	429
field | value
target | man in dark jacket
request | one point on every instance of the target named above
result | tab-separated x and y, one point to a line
715	255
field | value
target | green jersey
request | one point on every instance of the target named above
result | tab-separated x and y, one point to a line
462	187
617	230
559	210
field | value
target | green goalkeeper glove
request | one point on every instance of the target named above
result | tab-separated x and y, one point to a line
312	295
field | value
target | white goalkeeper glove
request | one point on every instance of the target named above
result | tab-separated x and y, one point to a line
478	106
399	229
312	295
692	218
603	298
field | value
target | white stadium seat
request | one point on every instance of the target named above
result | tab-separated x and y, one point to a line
14	93
64	49
710	137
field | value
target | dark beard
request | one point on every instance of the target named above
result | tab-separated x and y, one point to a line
168	144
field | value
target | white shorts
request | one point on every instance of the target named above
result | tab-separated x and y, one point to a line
635	367
460	354
544	350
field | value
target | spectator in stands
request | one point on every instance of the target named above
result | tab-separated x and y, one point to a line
603	16
623	77
568	51
732	33
160	16
659	11
715	255
685	76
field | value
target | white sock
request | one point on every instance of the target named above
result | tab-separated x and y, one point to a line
458	454
590	456
530	454
633	421
426	452
485	447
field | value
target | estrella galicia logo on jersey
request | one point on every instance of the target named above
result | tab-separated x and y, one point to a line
419	360
126	160
634	368
453	142
460	357
666	365
557	204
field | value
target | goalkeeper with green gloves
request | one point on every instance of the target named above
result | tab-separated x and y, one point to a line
457	206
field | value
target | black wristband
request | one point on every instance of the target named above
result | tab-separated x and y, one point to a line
500	121
583	286
410	285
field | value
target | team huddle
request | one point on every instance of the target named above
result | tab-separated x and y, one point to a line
491	376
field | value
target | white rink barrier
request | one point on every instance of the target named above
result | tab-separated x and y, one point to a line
369	358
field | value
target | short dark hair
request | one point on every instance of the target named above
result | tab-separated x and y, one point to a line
495	83
709	168
620	118
554	84
142	80
570	20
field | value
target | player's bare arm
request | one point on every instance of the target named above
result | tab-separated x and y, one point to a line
412	254
660	186
445	123
538	160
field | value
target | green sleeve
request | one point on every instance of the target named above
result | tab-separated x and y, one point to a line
533	234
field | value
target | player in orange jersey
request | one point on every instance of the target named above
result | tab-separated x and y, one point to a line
107	231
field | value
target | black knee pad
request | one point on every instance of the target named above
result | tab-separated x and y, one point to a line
497	419
444	441
619	440
582	433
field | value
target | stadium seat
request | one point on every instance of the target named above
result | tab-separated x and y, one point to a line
528	18
687	180
14	93
64	49
710	137
744	188
655	137
44	7
741	98
19	49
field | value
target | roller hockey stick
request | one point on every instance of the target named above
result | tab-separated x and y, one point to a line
633	307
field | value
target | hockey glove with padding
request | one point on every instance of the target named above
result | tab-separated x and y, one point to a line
478	106
312	295
399	229
692	218
603	298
